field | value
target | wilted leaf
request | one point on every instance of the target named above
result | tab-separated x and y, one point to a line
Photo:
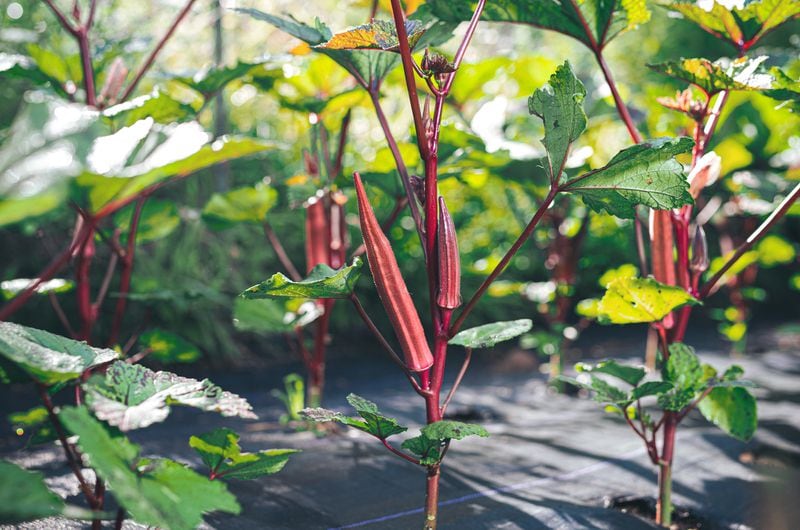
46	357
132	396
560	106
645	174
160	493
488	335
322	282
634	300
220	451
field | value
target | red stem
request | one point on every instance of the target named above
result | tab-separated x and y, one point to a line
127	271
153	54
83	285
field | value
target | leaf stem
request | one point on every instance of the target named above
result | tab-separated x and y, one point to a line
457	381
280	251
153	54
399	453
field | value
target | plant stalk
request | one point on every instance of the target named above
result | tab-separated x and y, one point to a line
664	504
432	498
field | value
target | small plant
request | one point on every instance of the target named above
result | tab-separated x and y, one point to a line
293	398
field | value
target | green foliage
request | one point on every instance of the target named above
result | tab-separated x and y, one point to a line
605	20
293	397
26	67
160	106
220	451
427	450
35	422
322	282
453	430
160	492
377	35
684	372
270	316
158	219
488	335
46	357
646	174
167	347
732	409
629	374
560	106
715	76
372	421
630	300
131	396
242	205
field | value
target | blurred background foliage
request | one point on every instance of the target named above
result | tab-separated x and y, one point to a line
189	272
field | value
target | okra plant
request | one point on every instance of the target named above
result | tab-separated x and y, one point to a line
678	251
646	174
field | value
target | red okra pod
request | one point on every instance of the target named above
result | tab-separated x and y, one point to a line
449	296
392	288
318	248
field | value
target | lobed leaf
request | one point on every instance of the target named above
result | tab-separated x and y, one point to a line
712	77
488	335
241	205
160	493
377	35
453	430
428	450
372	421
220	451
731	409
322	282
630	300
132	396
645	174
560	106
49	358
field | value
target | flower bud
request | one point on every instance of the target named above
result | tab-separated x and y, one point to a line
705	173
449	296
391	288
699	261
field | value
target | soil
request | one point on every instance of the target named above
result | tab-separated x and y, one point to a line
548	463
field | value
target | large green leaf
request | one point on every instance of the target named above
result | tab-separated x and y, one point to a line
158	105
488	335
167	347
145	154
739	25
731	409
722	74
25	67
160	493
322	282
604	18
25	497
453	430
242	205
265	315
630	300
46	357
220	451
645	174
11	288
48	144
210	81
560	106
157	220
132	396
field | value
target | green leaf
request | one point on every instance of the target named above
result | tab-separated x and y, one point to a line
167	347
34	422
11	288
46	146
650	388
49	358
560	106
453	430
773	250
132	396
210	81
629	300
605	392
159	493
751	22
24	495
731	409
605	19
428	450
159	154
220	451
712	77
158	219
372	421
630	374
242	205
645	174
24	67
488	335
322	282
272	316
160	106
684	372
377	35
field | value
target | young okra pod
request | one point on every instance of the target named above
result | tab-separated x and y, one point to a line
449	296
392	288
318	245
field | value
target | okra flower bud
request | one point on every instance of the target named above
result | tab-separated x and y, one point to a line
699	261
449	296
391	288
